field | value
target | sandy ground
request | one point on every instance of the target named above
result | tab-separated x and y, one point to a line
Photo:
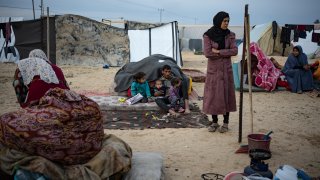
188	153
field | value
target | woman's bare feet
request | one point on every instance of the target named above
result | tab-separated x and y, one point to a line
187	108
187	111
181	110
275	63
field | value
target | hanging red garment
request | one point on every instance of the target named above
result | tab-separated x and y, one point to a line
8	33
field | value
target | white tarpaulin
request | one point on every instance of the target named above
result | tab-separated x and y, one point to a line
158	40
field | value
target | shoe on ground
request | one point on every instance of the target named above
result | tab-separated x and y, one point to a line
213	127
223	128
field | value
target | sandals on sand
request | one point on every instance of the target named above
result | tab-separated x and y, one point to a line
213	127
223	129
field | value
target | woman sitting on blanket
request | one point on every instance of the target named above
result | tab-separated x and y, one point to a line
35	76
56	123
140	85
297	71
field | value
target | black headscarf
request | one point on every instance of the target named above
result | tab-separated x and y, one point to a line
215	33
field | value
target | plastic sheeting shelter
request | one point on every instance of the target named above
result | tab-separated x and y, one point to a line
158	40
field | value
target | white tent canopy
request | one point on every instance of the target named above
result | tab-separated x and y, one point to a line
262	34
158	40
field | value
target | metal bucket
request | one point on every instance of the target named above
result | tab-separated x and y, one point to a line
257	141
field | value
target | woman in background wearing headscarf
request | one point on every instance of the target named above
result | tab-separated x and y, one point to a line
219	93
297	71
35	76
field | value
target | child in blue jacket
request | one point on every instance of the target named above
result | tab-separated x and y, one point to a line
140	85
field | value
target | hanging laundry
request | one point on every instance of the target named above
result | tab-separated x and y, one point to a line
296	35
315	37
292	35
301	27
291	26
9	49
8	33
309	27
285	35
302	34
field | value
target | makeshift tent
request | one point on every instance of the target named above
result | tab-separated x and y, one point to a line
263	35
158	40
150	65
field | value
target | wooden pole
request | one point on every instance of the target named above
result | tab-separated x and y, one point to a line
34	15
241	75
42	14
48	34
249	71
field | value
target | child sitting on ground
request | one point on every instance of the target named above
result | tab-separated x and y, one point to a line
159	90
140	85
176	101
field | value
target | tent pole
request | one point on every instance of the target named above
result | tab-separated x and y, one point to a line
249	70
241	75
48	34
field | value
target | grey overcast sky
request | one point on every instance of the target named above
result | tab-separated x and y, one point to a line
183	11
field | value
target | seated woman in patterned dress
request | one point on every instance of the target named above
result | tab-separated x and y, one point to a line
55	122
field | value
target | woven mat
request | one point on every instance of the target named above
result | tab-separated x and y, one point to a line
153	119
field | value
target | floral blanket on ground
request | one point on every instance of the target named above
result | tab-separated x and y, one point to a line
268	74
64	127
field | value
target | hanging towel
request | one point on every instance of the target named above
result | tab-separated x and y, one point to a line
315	37
309	28
291	26
301	27
296	35
285	35
303	34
